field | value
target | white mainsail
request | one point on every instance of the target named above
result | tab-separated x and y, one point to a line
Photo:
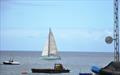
50	48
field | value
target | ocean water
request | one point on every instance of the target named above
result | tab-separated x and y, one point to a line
75	61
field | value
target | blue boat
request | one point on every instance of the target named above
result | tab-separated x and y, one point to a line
85	73
95	69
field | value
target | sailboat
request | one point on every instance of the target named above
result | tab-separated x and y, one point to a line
50	50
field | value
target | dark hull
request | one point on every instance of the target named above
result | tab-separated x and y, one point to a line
112	68
7	63
49	71
109	72
85	74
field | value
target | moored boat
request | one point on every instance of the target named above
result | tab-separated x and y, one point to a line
11	62
58	68
49	71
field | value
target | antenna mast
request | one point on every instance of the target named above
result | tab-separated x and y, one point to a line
116	31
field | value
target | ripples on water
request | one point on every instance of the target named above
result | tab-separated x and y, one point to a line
75	61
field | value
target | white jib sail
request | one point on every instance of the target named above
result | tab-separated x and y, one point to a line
45	50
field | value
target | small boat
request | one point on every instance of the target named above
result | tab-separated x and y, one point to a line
58	68
24	72
11	62
50	51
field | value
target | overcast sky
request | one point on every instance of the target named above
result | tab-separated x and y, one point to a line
77	25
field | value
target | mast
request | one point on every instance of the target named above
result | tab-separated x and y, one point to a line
116	31
49	41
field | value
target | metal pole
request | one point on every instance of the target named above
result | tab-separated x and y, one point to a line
116	31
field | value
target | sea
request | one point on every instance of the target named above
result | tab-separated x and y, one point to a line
76	62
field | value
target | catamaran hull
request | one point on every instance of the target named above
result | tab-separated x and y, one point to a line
51	57
49	71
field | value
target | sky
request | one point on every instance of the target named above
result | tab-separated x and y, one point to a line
77	25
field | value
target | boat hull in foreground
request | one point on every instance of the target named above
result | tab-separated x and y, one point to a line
112	68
